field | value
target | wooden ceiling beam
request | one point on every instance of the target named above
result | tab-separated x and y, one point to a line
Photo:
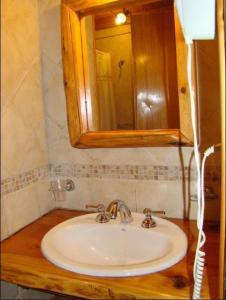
88	7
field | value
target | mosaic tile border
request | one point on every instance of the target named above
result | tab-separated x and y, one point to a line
24	179
133	172
129	172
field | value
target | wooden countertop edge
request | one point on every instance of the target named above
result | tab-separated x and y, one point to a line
31	269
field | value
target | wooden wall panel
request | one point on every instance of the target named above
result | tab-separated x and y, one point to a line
154	53
182	81
170	69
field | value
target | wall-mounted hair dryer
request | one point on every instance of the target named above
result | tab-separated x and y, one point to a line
197	18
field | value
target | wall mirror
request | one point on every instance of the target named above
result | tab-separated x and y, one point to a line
122	81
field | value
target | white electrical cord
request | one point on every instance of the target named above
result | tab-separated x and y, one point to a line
199	255
194	125
200	260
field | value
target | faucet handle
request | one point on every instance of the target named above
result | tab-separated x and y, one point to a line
148	222
103	216
159	212
148	212
99	207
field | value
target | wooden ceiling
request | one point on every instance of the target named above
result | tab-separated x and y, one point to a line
106	19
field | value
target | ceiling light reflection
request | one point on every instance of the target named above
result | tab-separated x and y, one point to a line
120	18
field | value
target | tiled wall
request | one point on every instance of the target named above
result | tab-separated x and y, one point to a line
132	182
160	187
24	147
32	74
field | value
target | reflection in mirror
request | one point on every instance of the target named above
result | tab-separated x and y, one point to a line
114	77
132	80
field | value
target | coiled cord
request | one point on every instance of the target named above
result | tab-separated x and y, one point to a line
200	255
200	166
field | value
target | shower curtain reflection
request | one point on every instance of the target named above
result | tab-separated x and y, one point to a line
105	91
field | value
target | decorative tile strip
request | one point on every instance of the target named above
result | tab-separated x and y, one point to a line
24	179
132	172
137	172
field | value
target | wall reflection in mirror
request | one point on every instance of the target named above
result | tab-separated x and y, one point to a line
132	69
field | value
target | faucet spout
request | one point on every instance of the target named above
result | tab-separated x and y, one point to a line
120	206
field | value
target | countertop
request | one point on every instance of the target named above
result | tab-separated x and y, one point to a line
22	263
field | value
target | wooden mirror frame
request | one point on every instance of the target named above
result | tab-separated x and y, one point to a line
77	94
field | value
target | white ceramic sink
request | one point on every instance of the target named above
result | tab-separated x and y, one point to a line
112	249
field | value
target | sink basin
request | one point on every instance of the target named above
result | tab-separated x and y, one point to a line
113	249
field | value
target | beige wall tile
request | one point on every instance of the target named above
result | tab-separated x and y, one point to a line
49	21
97	191
193	210
106	190
28	100
76	199
157	195
21	208
60	147
24	147
54	97
23	128
24	144
163	195
4	226
27	131
52	74
20	43
137	156
47	4
17	140
45	197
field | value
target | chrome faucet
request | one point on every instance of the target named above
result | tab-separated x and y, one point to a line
120	206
